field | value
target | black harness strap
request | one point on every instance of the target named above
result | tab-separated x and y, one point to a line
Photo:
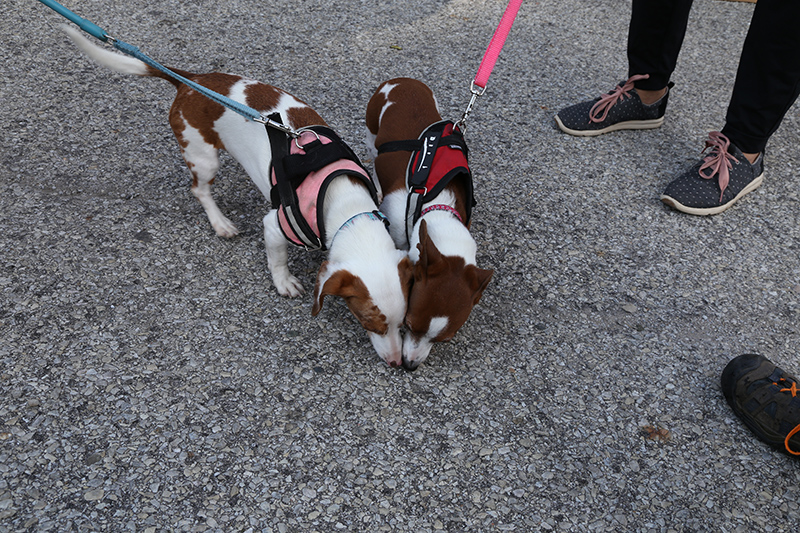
411	145
283	192
318	155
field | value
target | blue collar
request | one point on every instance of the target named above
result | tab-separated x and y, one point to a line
374	215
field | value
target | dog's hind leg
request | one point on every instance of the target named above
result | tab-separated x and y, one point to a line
278	257
202	159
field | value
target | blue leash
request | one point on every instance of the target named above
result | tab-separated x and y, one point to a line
96	31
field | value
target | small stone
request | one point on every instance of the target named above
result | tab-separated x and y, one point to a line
94	495
93	458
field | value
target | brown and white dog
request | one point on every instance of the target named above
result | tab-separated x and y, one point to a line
447	283
363	265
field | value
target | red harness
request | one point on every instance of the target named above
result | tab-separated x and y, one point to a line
438	156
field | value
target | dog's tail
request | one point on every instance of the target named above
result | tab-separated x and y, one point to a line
118	62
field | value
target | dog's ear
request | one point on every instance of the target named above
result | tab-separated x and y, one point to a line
344	284
429	255
478	281
337	283
405	269
423	231
327	283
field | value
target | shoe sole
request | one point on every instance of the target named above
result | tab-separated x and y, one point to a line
629	125
705	211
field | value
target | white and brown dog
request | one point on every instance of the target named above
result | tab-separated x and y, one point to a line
363	265
427	188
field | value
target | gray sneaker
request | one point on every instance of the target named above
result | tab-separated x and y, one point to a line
620	109
717	181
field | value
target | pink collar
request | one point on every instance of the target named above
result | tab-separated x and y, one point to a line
441	207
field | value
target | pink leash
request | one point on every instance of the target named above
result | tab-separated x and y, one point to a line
478	86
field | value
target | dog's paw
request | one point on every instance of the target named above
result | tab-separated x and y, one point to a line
288	286
225	228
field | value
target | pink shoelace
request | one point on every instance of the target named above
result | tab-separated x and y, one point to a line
607	101
718	160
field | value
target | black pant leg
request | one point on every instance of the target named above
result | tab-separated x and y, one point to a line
655	37
768	77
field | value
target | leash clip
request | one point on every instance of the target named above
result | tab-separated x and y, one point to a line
278	126
476	91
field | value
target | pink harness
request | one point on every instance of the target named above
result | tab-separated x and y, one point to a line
302	169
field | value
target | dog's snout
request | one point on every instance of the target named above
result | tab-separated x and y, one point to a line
410	365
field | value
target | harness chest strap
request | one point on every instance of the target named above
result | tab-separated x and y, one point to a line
302	169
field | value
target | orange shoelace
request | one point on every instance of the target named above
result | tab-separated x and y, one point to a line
793	390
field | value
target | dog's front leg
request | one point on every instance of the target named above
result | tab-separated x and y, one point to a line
278	257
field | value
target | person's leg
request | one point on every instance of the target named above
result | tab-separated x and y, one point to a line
655	37
768	78
767	84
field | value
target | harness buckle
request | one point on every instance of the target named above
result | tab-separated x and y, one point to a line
383	218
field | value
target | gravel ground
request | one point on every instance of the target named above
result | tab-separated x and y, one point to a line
151	378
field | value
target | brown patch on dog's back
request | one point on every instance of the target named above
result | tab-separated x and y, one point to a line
405	119
304	116
261	96
200	112
409	114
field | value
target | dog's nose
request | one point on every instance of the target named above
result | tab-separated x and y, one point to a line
394	364
410	365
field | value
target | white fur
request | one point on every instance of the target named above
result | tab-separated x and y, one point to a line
449	233
417	350
372	151
107	58
385	90
394	207
374	263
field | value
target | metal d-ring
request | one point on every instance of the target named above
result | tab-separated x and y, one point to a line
300	132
